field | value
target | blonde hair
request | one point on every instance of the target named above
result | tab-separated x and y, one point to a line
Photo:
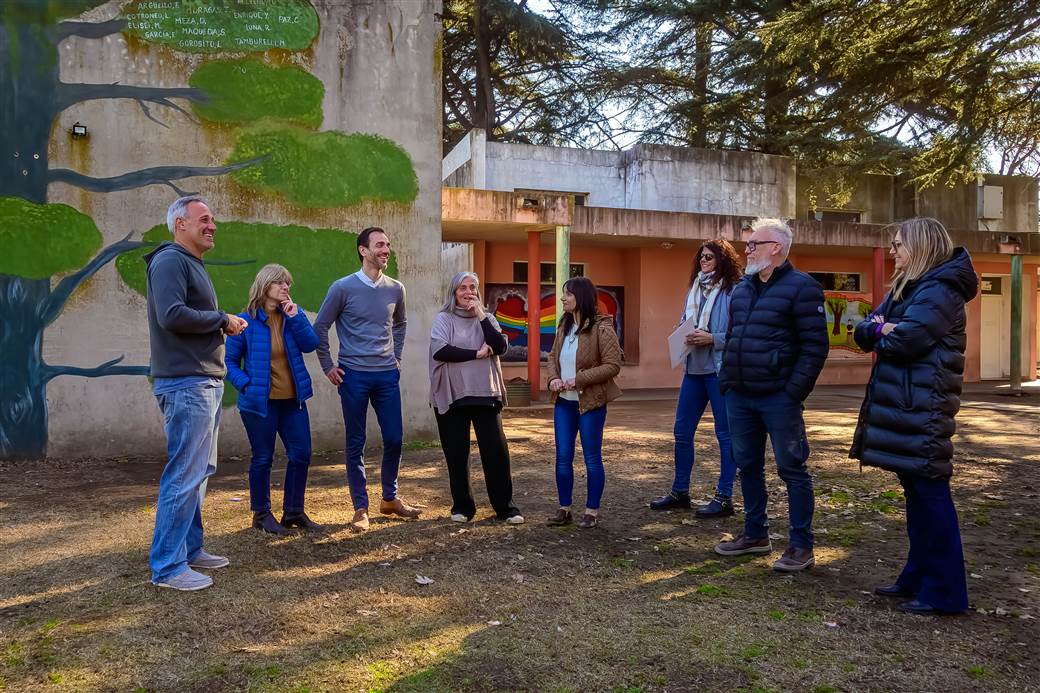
927	245
268	275
778	226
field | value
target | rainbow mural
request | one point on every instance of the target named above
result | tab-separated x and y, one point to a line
508	303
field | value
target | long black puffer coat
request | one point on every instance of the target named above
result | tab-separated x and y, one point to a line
906	420
777	338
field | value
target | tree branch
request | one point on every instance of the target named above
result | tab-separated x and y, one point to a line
106	368
50	310
158	175
90	29
69	94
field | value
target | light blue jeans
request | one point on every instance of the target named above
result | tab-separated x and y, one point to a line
191	419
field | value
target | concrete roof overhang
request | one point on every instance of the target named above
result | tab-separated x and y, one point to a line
472	215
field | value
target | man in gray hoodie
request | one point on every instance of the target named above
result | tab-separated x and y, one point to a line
187	342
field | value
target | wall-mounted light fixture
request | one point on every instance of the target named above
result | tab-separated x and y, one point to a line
1009	245
78	131
667	245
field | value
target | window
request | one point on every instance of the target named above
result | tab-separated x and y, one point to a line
839	281
548	272
833	215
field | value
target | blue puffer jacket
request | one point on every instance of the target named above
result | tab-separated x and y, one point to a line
248	359
906	420
777	337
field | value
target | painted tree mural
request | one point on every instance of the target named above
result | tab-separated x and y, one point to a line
48	250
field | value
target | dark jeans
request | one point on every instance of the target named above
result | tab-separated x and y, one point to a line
694	395
453	427
289	421
751	418
935	565
382	389
567	424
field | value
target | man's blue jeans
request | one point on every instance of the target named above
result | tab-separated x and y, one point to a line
382	389
751	417
694	395
567	424
288	420
191	419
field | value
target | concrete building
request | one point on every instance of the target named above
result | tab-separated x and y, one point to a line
634	219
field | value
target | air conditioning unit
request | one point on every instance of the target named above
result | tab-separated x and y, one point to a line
991	202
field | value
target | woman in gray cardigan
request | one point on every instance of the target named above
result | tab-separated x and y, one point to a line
716	270
466	389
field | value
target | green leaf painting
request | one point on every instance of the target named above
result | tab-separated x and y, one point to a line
243	91
324	169
315	257
43	240
213	26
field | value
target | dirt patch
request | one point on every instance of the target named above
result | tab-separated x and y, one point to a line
640	604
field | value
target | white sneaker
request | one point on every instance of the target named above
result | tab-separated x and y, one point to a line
207	560
185	581
459	517
515	520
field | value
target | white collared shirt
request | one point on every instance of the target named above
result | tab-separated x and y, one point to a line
364	277
568	367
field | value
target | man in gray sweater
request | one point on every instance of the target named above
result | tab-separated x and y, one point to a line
187	342
368	310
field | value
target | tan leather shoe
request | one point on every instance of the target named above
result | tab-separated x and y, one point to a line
360	521
400	508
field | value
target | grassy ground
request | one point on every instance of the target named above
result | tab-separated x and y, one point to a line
640	604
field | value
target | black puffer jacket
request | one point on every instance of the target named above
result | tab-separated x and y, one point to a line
777	338
906	420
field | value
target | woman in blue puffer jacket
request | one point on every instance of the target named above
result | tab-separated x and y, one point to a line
907	417
265	364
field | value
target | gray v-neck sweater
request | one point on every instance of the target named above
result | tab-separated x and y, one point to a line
370	324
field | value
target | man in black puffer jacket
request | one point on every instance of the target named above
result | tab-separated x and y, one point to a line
775	349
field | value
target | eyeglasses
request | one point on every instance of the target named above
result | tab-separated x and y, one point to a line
288	284
706	257
896	245
751	245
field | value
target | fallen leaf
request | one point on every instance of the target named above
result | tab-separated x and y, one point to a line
1000	611
365	612
494	623
774	536
688	521
831	624
1024	589
235	499
519	577
975	575
423	580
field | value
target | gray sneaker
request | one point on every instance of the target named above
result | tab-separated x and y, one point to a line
795	560
207	560
742	545
185	581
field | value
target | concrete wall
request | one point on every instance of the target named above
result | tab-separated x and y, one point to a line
678	179
873	196
522	166
958	207
379	66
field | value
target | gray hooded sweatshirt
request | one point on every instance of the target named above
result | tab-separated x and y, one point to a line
183	321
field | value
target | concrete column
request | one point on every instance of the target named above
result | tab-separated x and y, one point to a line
563	265
877	278
1016	324
534	306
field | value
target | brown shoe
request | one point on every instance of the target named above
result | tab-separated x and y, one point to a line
360	521
400	508
795	560
561	518
588	521
742	545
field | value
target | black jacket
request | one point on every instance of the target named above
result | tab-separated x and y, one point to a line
906	420
777	337
183	320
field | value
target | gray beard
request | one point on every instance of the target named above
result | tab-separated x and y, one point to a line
754	268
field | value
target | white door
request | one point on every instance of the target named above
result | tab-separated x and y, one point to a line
996	328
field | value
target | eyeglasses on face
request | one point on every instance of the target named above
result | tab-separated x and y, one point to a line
751	245
286	282
896	245
705	257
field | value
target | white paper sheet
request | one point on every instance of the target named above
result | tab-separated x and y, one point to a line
677	346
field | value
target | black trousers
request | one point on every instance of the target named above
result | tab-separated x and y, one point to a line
454	429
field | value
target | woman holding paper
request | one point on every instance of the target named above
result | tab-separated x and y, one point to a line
716	270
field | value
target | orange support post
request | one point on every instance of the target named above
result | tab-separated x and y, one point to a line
877	280
534	311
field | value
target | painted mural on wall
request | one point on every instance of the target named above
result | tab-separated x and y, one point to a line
844	311
48	250
508	302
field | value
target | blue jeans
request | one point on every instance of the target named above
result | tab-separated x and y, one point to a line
934	569
567	424
382	389
751	417
288	420
694	395
191	418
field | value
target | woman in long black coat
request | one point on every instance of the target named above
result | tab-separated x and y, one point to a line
907	417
